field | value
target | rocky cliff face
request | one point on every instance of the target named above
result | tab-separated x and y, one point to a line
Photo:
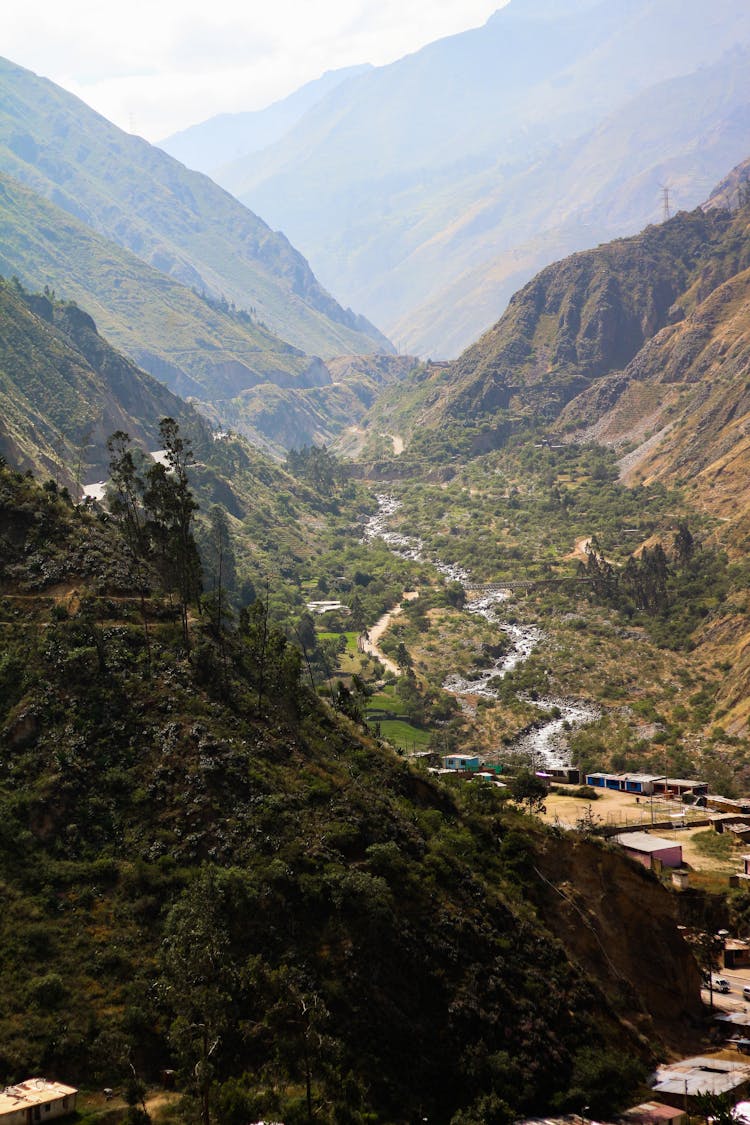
584	318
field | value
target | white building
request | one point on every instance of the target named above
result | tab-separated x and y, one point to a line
36	1099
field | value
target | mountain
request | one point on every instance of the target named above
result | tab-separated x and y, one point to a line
280	416
198	347
177	221
577	321
430	225
232	368
64	390
228	136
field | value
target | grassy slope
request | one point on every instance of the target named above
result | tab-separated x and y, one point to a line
160	323
175	220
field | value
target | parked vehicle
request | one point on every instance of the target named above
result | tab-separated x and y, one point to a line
720	984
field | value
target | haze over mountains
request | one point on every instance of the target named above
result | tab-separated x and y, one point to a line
177	221
207	835
523	140
229	136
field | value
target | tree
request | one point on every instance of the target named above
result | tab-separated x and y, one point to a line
297	1016
269	663
170	508
125	503
199	981
719	1109
221	577
357	615
527	788
600	572
125	491
684	544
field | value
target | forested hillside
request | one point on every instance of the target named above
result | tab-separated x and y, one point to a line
198	854
64	390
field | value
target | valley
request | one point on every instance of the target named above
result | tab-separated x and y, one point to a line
330	676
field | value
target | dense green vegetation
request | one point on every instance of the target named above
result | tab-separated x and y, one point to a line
203	866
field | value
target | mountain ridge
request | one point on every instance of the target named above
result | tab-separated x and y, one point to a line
176	220
210	144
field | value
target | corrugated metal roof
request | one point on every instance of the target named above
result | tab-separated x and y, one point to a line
643	842
704	1074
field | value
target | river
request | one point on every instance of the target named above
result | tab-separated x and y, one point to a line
546	744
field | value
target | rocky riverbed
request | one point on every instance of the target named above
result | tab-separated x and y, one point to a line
546	744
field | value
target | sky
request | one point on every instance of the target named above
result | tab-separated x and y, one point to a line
156	66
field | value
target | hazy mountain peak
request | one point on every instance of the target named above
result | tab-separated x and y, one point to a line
224	137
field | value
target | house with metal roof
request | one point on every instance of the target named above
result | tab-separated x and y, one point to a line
646	784
461	762
654	1113
681	1083
651	851
36	1099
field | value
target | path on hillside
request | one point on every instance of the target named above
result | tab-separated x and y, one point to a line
369	643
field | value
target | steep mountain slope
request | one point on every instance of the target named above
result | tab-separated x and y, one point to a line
64	390
679	134
228	136
175	220
203	845
197	348
578	320
408	213
682	401
278	417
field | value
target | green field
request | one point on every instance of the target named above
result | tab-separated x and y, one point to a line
351	640
385	701
404	735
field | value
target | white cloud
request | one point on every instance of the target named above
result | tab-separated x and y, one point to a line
155	67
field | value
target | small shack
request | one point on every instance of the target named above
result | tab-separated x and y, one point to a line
468	762
36	1099
736	953
651	851
654	1113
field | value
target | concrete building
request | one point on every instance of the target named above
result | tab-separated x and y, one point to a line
651	851
36	1099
